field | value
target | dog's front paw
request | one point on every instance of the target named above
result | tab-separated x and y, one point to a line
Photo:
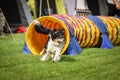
42	59
58	58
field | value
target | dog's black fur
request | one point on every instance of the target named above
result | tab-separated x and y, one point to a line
54	33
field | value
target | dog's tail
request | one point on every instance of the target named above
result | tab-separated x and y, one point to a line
40	29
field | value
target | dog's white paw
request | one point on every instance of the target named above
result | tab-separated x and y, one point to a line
42	59
58	58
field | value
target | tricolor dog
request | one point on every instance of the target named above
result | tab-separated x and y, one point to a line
54	44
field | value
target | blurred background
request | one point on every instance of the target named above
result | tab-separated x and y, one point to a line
21	12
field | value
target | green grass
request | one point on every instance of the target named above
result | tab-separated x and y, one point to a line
91	64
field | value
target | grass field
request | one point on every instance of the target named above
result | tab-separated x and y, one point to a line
91	64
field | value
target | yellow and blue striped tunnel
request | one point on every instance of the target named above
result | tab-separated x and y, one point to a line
90	31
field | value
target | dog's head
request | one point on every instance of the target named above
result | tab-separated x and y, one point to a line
58	36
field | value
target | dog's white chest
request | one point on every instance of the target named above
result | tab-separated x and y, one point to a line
54	46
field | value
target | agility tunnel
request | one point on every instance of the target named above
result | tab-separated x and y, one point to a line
79	32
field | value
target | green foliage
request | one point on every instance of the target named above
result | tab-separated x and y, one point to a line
91	64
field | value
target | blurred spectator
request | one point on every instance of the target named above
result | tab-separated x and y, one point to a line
113	7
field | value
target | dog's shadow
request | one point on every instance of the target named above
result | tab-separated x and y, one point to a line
67	59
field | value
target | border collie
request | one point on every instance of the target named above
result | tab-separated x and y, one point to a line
54	44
